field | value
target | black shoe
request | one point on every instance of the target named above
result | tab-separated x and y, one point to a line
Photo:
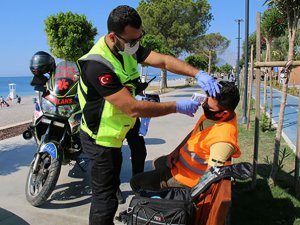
240	171
120	197
123	217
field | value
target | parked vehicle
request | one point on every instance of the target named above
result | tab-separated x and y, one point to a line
55	125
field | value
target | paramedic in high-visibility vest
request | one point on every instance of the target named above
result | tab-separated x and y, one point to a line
106	91
212	142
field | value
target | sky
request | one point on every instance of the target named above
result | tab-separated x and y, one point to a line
22	25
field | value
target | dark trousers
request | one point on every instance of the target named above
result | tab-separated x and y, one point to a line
137	148
160	177
105	173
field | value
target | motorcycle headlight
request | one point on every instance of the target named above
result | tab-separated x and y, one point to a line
65	110
47	106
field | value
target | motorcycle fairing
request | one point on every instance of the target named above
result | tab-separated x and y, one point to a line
60	101
37	114
74	121
50	148
63	84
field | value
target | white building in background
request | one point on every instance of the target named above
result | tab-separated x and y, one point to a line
12	88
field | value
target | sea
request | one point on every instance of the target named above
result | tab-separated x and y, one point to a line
23	87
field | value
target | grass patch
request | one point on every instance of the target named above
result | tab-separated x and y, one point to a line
265	205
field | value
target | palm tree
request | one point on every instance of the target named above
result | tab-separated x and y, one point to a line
273	25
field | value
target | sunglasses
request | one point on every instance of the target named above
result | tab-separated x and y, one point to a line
132	42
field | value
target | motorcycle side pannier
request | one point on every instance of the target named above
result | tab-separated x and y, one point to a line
168	206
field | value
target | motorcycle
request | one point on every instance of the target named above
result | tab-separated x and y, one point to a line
55	126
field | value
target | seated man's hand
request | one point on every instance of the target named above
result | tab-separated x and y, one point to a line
172	158
207	83
187	107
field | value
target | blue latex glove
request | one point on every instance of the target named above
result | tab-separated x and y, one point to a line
188	107
144	126
208	83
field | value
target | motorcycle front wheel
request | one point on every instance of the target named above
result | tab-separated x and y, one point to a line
39	185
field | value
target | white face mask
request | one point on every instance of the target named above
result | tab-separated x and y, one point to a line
130	50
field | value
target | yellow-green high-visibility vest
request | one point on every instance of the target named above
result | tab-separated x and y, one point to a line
114	124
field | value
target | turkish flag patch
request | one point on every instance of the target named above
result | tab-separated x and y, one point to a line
105	79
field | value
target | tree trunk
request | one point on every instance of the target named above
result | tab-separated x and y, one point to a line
242	72
257	101
250	87
271	89
163	79
271	99
209	62
242	79
265	93
265	76
297	158
275	166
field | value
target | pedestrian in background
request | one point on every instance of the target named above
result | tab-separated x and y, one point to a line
18	99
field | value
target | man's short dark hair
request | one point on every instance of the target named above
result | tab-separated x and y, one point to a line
229	95
122	16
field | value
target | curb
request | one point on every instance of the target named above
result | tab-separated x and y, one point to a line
285	137
13	130
15	125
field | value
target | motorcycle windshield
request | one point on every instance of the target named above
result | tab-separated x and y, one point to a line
64	82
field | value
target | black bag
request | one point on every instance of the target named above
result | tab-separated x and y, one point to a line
165	207
175	206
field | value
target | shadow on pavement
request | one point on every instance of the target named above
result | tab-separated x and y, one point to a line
7	217
290	124
126	194
69	195
76	193
15	157
291	105
154	141
278	106
285	114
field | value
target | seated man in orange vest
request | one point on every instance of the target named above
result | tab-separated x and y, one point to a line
211	143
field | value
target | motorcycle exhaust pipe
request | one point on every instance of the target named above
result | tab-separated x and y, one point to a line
27	134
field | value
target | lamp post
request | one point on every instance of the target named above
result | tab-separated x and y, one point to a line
244	117
238	56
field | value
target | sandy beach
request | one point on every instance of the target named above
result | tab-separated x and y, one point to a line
16	113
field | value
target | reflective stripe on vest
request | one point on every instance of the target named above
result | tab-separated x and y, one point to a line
82	89
189	167
194	155
114	124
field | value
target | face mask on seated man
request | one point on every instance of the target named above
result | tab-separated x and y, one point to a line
212	142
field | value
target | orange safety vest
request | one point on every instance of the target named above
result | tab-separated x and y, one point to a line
194	155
